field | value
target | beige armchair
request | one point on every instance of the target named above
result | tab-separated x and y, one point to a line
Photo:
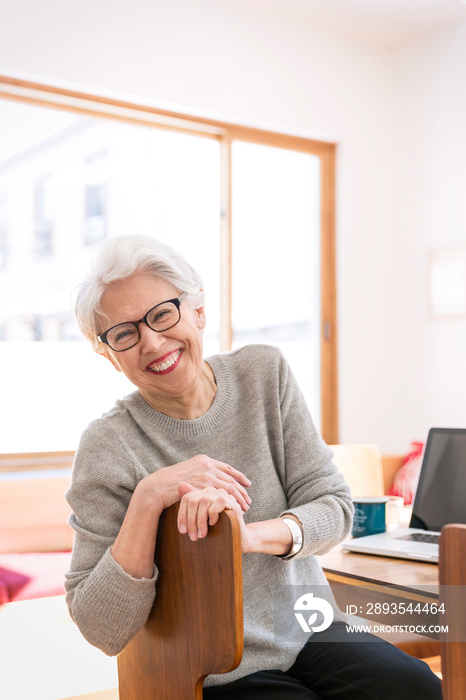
361	465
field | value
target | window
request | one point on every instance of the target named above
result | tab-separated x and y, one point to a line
43	216
276	246
252	210
95	198
3	233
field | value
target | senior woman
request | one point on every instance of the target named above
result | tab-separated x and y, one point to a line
232	431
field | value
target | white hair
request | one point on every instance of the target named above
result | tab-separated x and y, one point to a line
120	257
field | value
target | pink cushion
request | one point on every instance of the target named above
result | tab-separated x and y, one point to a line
4	593
33	575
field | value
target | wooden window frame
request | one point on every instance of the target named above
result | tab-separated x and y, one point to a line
109	107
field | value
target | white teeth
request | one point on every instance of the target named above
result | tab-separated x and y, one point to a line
168	363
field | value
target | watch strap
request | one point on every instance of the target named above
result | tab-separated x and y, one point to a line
297	536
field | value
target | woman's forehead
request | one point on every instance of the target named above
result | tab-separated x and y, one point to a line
135	295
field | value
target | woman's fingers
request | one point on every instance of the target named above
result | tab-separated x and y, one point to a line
200	508
235	490
183	489
235	479
227	477
231	487
202	471
235	473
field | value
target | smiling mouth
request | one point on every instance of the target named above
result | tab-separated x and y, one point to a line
167	365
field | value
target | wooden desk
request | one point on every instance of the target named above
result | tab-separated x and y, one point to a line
396	592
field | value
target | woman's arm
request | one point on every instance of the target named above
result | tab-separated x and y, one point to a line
314	493
317	494
201	508
111	584
134	547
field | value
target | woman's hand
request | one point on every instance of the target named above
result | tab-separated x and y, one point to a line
200	508
134	546
200	472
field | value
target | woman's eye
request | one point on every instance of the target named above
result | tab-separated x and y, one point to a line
160	315
124	335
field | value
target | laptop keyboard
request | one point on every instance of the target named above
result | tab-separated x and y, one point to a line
421	537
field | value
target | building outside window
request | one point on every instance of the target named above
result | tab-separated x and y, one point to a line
3	233
95	226
43	215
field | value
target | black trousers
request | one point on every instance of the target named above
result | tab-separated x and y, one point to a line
339	665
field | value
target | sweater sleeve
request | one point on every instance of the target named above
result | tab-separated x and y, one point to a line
317	493
108	605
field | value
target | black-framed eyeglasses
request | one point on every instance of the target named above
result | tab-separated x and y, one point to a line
160	318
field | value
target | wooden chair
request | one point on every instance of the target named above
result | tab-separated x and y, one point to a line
452	574
195	627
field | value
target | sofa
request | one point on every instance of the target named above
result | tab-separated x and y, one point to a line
35	538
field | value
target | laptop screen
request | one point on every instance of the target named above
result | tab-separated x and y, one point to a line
441	493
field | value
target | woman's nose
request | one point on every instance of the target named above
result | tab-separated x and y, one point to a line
149	339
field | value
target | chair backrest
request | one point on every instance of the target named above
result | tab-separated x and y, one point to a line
361	465
452	574
195	627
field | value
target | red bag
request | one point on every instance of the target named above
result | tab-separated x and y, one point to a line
407	476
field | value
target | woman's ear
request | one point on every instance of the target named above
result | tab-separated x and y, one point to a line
200	317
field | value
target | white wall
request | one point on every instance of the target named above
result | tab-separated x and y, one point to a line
257	68
429	89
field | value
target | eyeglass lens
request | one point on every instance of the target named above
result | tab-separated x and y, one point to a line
160	318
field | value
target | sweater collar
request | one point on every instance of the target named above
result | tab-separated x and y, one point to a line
203	424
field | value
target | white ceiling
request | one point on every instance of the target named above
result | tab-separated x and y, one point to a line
380	22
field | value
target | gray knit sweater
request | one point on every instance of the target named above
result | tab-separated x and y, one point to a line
258	423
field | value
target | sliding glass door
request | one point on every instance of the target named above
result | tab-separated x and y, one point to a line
253	211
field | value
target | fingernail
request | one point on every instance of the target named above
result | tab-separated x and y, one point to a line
182	529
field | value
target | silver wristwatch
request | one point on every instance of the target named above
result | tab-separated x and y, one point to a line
296	534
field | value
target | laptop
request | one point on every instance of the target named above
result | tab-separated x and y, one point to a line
440	499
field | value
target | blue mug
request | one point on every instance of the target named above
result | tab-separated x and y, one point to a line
369	515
